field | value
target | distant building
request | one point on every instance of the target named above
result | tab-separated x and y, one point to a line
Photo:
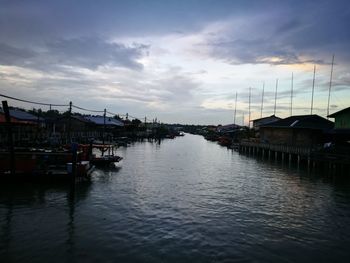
22	116
227	128
342	119
26	127
302	130
341	131
75	127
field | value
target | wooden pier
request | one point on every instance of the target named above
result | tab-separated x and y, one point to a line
311	157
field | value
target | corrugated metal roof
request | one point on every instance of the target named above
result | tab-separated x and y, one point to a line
23	115
302	122
100	121
333	115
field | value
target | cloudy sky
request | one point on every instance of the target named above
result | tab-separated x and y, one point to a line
179	61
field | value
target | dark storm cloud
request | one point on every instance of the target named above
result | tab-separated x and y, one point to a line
81	52
93	52
292	33
43	18
289	30
10	55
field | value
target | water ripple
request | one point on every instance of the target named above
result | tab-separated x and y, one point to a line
184	200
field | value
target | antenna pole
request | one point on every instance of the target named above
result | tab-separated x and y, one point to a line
291	98
250	93
262	101
330	86
234	115
274	109
313	89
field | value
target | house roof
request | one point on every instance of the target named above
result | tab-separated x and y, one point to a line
23	115
268	117
333	115
302	122
99	120
82	118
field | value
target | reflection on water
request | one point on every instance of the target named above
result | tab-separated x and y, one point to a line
181	200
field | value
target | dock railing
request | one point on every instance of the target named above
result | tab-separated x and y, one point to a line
289	149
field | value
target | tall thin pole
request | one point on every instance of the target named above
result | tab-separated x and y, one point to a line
313	89
9	137
274	109
330	85
234	115
262	101
291	98
69	122
104	126
243	119
250	93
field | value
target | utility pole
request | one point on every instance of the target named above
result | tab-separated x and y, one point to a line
69	121
330	86
234	115
262	100
250	93
313	89
104	128
274	109
291	98
9	137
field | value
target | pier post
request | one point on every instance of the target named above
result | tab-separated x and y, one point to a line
10	138
269	154
69	123
282	157
74	148
104	129
290	158
276	155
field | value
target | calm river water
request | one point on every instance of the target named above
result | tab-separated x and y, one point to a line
184	200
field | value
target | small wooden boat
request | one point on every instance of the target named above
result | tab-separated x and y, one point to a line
105	160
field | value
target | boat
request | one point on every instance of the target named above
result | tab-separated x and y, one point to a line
102	159
43	165
105	160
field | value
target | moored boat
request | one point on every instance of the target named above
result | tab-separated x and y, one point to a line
105	160
42	164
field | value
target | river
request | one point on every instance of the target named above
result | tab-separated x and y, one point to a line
181	200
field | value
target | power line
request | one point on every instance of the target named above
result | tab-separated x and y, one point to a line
81	108
34	102
62	105
123	115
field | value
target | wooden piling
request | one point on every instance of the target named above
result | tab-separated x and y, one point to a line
74	149
10	138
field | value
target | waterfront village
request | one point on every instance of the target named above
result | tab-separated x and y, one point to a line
39	144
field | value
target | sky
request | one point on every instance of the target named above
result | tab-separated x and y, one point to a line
178	61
